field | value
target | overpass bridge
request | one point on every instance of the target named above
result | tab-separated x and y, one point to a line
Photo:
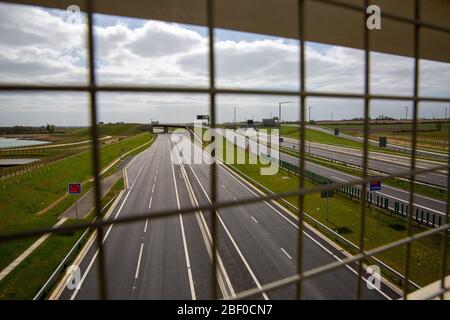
166	126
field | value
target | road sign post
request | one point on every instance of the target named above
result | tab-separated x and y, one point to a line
375	185
327	194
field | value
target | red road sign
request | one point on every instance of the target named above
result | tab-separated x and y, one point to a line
74	188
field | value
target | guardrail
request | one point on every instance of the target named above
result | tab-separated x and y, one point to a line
327	229
421	216
48	285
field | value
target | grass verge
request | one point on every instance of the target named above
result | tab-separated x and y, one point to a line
27	279
344	218
424	190
22	197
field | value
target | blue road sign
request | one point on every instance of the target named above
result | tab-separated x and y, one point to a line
375	183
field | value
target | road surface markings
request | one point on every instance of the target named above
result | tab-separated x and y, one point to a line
222	276
107	234
146	224
139	172
150	203
287	254
306	234
254	219
186	252
249	269
139	262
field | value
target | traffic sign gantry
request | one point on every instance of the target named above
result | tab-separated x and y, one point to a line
74	188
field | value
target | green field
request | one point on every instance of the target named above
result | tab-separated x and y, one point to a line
429	135
22	197
316	136
27	279
115	130
344	218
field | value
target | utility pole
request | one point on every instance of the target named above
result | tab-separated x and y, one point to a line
446	110
406	114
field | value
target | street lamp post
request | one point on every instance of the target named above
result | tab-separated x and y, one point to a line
235	124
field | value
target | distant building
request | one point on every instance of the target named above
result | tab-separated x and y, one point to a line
269	122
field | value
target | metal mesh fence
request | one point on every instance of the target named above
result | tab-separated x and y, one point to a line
98	224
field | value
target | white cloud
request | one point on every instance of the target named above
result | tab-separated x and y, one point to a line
41	46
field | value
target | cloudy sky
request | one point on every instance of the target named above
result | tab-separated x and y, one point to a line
41	46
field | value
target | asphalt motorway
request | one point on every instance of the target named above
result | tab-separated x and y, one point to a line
427	204
381	162
170	258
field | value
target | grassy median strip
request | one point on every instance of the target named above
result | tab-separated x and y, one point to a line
22	197
325	138
422	189
344	217
27	279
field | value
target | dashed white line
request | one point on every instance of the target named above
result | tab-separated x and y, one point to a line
146	224
139	261
186	252
254	219
287	254
150	203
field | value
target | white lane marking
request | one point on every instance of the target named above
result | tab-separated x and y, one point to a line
139	262
139	172
186	252
287	254
252	274
223	186
153	188
309	236
188	262
146	224
254	219
105	236
208	241
84	276
150	203
249	269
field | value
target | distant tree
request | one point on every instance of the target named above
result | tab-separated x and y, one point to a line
51	128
